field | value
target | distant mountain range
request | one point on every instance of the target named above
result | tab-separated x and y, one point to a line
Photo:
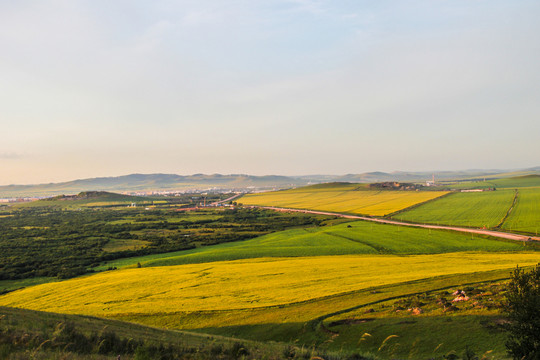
171	182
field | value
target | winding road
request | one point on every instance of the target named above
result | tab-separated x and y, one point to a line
499	234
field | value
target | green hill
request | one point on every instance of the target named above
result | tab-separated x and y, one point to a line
532	180
28	334
145	182
357	237
87	199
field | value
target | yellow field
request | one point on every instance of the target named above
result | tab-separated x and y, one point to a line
344	199
245	283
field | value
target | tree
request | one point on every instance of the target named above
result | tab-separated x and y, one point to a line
522	302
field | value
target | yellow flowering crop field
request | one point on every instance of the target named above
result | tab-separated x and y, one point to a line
244	284
345	199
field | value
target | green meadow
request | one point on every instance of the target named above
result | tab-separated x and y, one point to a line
476	209
357	237
507	183
525	217
323	289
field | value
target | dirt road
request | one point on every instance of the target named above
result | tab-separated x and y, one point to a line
500	234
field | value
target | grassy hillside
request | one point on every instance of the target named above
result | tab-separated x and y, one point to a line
508	183
297	323
342	197
87	199
145	182
525	216
245	283
477	209
357	237
324	286
27	334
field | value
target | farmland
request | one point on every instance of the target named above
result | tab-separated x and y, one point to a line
233	285
342	198
357	237
506	183
525	217
477	209
261	275
70	243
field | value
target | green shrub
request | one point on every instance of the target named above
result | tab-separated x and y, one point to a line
522	303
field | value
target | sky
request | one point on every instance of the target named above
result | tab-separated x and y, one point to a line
292	87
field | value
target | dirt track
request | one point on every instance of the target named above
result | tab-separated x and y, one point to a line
499	234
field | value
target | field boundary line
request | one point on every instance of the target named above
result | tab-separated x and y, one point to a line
379	249
370	289
494	233
505	217
315	323
419	204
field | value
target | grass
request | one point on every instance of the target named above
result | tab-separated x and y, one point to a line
357	237
525	216
290	323
423	337
414	338
245	283
306	312
342	198
509	183
477	209
419	334
86	200
23	333
9	285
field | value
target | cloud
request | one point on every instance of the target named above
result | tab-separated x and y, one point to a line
309	6
154	36
10	156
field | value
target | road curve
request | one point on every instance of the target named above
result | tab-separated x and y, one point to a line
499	234
228	199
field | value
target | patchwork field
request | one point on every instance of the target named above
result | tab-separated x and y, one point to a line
525	216
317	282
508	183
245	283
358	237
477	209
344	198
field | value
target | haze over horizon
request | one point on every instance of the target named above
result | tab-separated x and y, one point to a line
288	87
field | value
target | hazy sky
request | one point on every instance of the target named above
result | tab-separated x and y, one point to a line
104	88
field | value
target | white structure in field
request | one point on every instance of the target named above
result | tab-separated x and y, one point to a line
432	182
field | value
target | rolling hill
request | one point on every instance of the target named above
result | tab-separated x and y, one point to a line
173	182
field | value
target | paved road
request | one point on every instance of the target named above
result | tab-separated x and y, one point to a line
499	234
228	199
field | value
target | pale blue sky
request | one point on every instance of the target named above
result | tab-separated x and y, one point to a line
103	88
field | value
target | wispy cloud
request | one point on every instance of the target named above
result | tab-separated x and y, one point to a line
10	155
154	35
310	6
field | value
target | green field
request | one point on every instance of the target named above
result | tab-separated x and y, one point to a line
508	183
298	322
86	199
359	237
27	334
310	282
342	198
476	209
525	217
381	312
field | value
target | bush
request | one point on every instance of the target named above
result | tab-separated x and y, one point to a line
289	352
238	350
522	303
143	353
